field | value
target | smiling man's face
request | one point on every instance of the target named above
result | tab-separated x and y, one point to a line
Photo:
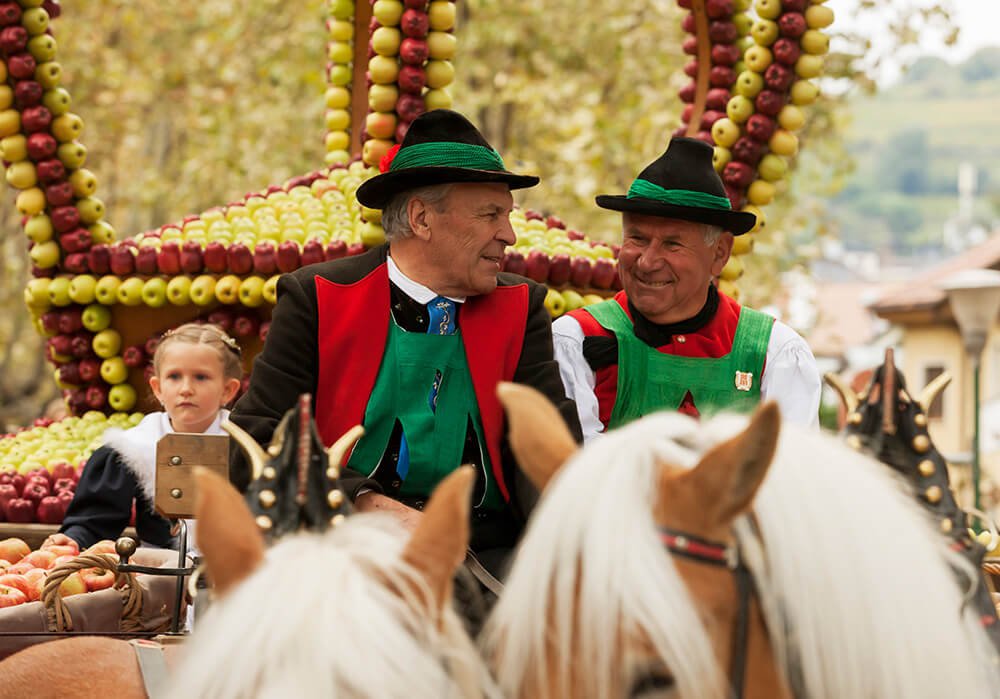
666	266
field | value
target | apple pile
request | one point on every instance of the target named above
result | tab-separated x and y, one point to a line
23	571
748	101
41	495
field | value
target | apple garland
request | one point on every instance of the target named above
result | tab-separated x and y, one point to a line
340	52
752	107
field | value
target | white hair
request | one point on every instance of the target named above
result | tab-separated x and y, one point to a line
332	615
847	561
711	233
396	218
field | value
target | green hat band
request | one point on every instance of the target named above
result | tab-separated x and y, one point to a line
447	154
644	189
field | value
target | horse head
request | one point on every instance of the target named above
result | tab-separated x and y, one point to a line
724	558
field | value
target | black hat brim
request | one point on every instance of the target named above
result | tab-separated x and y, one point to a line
379	190
736	222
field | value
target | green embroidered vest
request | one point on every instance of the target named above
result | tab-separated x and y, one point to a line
424	383
649	380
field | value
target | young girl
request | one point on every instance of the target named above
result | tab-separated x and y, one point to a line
196	372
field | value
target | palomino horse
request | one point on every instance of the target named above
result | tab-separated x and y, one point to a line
362	610
702	560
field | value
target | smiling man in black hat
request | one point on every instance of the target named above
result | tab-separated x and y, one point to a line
670	339
410	339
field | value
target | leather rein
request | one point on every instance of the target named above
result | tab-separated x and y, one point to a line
727	556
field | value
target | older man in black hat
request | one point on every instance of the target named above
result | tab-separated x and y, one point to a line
670	339
410	339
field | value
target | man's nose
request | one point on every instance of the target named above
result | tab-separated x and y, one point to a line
506	234
650	260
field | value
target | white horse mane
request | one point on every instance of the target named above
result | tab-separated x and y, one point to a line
848	562
332	615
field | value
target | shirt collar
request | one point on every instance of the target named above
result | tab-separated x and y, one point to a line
415	290
659	334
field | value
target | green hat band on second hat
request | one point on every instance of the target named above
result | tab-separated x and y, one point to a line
445	154
644	189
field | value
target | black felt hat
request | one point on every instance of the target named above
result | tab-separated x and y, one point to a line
682	184
440	147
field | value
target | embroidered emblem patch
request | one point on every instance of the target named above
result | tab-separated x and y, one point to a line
744	380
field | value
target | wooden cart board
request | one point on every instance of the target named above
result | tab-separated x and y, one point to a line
35	534
176	456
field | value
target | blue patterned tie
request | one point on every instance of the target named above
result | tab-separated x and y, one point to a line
442	316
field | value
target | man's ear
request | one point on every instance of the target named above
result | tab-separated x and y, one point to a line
720	254
419	213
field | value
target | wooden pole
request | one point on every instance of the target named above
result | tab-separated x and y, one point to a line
359	81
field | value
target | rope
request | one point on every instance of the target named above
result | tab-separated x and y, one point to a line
57	614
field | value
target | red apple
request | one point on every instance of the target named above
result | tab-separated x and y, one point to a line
76	240
312	251
13	550
532	215
191	257
737	174
65	219
18	582
721	76
36	580
223	317
513	262
62	484
52	7
69	374
688	23
769	102
687	92
239	259
709	117
168	259
717	98
559	269
411	79
81	346
214	257
50	508
264	258
62	469
537	265
10	14
13	39
409	107
792	24
786	51
288	258
690	45
134	356
413	51
779	77
15	479
355	249
151	344
691	69
97	578
99	259
35	491
7	493
725	54
747	150
581	272
145	261
604	273
246	325
722	32
36	119
11	596
41	146
51	170
40	559
717	9
335	249
414	22
75	263
28	93
760	128
70	320
553	221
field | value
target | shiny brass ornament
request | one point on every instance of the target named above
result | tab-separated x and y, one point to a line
926	468
921	443
335	498
267	498
264	523
933	494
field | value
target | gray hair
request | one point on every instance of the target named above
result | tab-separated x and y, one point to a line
711	234
395	217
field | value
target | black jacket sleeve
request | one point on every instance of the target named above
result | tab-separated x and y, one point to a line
287	367
538	368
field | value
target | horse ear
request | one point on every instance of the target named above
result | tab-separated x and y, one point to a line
538	435
438	544
227	535
729	474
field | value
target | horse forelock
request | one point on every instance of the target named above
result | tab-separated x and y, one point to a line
857	574
339	615
592	596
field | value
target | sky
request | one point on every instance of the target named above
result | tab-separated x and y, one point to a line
978	22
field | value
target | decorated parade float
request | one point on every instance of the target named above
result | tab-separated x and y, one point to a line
103	298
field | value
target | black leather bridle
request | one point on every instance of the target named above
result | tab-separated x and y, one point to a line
713	553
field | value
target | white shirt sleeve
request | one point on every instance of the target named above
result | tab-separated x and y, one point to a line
791	376
577	376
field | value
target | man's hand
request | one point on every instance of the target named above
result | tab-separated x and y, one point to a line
376	502
58	539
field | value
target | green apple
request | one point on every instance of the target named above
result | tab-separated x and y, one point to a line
14	148
340	30
35	20
338	140
59	291
22	175
102	232
36	294
106	291
372	234
382	69
387	12
382	98
758	58
57	100
340	52
10	122
732	271
441	15
588	299
73	155
130	292
67	127
437	99
764	31
122	397
251	291
45	255
772	167
572	299
96	317
373	150
378	125
818	17
339	75
791	118
804	92
725	132
91	209
179	290
6	96
107	343
385	41
721	157
743	23
30	202
555	303
749	84
441	45
48	74
337	97
227	289
342	9
739	109
42	47
154	292
82	288
439	73
114	370
83	182
768	9
270	290
743	244
784	142
203	290
815	42
760	193
809	66
337	119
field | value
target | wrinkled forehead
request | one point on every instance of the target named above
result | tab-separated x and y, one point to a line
477	195
660	226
